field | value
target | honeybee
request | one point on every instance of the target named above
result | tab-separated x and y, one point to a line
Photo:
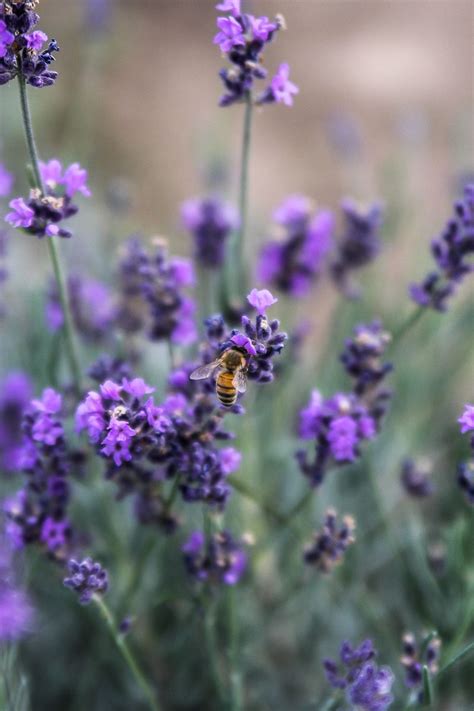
231	377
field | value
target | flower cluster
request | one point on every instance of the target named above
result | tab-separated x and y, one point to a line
210	221
329	545
358	245
152	287
16	612
6	181
260	340
146	446
453	253
43	212
415	478
15	393
22	48
466	469
243	37
38	512
219	560
367	686
92	307
415	656
342	422
86	578
292	263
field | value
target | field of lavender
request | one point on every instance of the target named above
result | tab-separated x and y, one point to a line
236	362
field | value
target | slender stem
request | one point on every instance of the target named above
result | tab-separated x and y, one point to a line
458	658
126	653
53	250
406	326
234	656
247	492
243	192
300	505
213	650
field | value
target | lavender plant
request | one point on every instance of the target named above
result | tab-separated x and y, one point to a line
175	438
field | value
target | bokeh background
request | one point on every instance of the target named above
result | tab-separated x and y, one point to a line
385	112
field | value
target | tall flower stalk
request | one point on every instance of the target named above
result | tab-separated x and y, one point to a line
52	248
243	193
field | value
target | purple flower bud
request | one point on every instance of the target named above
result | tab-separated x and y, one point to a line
232	6
282	88
261	299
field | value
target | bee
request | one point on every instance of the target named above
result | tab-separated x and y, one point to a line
231	377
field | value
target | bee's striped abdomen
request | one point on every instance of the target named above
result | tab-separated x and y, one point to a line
225	388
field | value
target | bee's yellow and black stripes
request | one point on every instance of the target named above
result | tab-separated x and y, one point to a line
225	388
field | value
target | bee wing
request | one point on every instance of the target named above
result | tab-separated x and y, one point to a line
204	371
240	381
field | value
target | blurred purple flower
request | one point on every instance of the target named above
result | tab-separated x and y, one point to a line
6	181
219	560
86	578
232	6
281	89
210	221
329	545
293	263
371	689
230	34
358	246
35	40
230	459
16	611
21	215
415	479
15	393
261	300
467	419
415	656
452	252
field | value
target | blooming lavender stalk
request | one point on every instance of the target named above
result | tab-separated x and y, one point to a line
16	611
358	245
415	656
415	479
15	393
367	686
466	469
218	560
90	581
54	255
329	545
243	38
210	221
293	263
343	422
37	514
452	252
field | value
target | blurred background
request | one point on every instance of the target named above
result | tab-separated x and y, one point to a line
385	112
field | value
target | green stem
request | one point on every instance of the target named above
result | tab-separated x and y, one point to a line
300	505
248	493
243	194
53	251
458	658
127	654
234	656
213	651
408	324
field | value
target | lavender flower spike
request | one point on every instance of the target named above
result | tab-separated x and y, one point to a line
329	545
87	578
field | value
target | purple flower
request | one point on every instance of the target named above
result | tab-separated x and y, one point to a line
6	181
358	245
362	356
352	659
35	40
55	534
230	35
6	39
20	46
21	215
136	387
116	444
283	89
261	300
87	578
220	560
371	690
293	263
210	221
452	252
244	342
309	423
415	656
467	419
230	459
152	297
243	37
329	545
51	173
342	438
232	6
415	479
16	612
15	393
75	179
